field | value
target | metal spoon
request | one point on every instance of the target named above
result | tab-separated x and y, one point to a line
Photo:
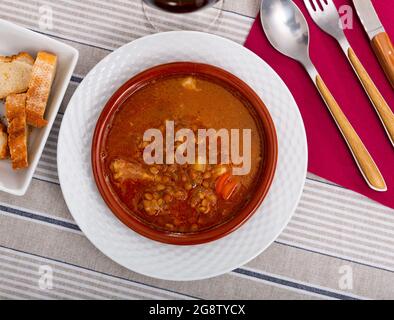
288	32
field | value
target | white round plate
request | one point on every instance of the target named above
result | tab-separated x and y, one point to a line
128	248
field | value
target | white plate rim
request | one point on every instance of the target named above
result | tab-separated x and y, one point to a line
304	164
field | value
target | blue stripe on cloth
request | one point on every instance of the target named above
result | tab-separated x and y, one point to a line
99	272
75	227
39	218
292	284
47	181
240	270
76	79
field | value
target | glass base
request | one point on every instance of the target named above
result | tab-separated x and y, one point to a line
205	20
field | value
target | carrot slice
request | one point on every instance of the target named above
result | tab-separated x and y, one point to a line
229	189
221	181
226	185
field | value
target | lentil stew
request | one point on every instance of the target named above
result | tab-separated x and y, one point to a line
182	200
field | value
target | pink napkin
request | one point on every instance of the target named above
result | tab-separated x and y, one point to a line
328	154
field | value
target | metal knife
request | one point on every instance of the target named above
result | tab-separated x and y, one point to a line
380	40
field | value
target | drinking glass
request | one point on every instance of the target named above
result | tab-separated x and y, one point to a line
169	15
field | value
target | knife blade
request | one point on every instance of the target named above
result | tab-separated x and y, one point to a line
369	17
381	43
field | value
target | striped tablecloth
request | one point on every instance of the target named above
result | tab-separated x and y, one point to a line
339	245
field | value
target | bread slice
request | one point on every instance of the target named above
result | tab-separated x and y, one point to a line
15	73
3	141
43	73
15	108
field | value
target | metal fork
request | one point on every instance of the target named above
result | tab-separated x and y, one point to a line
326	16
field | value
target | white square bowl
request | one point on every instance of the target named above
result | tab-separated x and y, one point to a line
15	39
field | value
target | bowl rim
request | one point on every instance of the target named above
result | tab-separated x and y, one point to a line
136	83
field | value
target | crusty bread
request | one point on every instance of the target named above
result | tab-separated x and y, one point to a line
15	107
3	141
15	73
43	73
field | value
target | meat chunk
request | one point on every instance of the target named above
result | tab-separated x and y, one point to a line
123	170
190	83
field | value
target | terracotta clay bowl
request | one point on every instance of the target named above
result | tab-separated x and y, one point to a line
265	175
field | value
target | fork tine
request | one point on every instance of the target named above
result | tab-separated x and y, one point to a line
316	5
309	6
330	6
323	3
329	3
325	14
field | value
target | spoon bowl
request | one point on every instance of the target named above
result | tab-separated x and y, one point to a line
286	28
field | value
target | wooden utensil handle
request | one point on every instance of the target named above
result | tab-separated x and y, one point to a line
382	108
364	161
384	50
